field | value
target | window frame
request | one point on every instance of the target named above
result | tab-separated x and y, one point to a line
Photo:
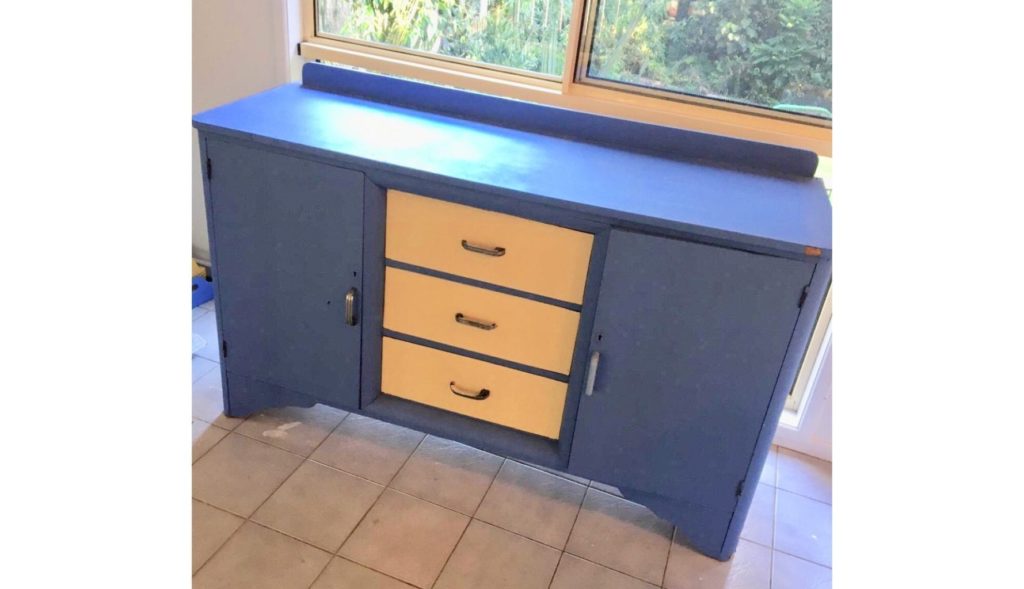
574	90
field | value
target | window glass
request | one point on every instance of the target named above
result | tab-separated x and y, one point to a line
775	54
525	35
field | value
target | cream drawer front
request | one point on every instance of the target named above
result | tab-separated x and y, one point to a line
514	399
493	247
481	320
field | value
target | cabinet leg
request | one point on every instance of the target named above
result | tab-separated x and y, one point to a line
705	530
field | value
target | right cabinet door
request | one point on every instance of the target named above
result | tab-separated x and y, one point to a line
690	339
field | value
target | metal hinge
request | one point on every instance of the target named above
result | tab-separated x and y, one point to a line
739	487
298	49
803	297
224	348
209	169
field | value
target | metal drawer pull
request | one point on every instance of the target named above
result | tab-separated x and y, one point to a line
350	307
487	251
483	394
460	318
595	358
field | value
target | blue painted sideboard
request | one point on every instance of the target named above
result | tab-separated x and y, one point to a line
620	301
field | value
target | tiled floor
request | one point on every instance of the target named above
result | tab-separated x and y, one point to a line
325	499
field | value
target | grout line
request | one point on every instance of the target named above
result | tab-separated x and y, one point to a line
337	552
249	517
293	453
227	432
561	555
454	548
497	473
472	518
671	541
611	567
604	566
387	486
804	496
575	518
374	570
384	489
803	558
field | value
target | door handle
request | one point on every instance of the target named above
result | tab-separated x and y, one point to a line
595	358
480	396
350	306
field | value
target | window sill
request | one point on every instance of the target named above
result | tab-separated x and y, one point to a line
573	96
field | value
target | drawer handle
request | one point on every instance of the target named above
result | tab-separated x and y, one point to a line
483	394
497	252
460	318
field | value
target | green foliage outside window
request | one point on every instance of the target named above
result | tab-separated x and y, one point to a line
762	52
771	53
522	34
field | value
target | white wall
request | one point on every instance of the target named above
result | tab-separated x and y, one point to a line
239	47
813	433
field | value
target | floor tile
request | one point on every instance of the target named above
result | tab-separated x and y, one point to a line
805	475
406	538
319	505
760	523
749	568
606	488
770	464
296	429
208	305
211	527
204	437
198	312
532	503
558	473
368	448
621	535
490	557
208	401
201	367
790	572
206	327
448	473
345	574
258	558
576	573
803	527
238	474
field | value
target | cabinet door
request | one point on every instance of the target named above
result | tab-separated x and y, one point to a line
287	246
691	339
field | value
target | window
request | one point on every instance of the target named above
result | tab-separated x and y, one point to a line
755	69
527	35
774	54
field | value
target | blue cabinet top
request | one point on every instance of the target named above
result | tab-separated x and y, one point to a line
714	200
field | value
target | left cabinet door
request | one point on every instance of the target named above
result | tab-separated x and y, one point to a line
286	240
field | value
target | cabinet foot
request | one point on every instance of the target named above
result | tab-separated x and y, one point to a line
705	530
